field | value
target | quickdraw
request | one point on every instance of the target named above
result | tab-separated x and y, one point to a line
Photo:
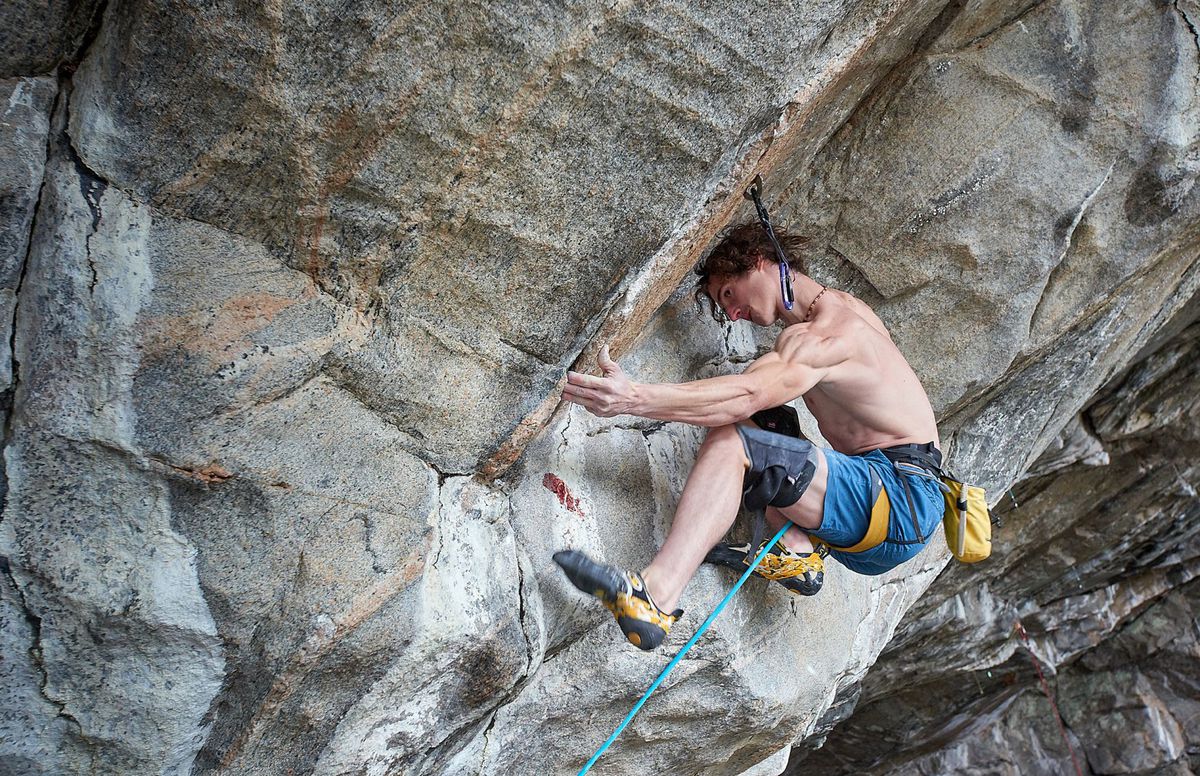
785	272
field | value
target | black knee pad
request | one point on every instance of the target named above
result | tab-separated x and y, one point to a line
781	468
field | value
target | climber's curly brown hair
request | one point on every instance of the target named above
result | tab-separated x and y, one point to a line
737	252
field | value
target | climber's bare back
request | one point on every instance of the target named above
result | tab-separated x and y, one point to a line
869	398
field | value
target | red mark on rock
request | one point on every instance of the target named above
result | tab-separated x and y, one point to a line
559	488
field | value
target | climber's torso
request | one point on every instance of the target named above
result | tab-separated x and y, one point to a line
871	398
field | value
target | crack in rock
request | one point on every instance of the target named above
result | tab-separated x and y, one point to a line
35	651
1192	27
92	185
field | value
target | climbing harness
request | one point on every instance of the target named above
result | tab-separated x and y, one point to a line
965	517
909	460
691	642
754	192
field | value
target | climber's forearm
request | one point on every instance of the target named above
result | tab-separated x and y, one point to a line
716	401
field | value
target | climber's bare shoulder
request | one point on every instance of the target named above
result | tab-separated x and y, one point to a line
868	396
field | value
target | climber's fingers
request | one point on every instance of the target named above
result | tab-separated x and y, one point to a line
581	380
579	394
603	400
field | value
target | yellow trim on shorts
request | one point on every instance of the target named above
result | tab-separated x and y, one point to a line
877	531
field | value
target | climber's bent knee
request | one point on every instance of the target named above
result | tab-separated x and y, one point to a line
781	468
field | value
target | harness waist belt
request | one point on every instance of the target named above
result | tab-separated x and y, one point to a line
925	456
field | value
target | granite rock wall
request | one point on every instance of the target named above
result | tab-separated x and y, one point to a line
292	289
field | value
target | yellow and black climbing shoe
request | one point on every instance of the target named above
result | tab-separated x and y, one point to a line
800	574
625	595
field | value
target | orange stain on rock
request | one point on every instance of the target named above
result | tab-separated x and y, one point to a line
220	333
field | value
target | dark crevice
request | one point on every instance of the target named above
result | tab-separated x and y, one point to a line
646	429
487	732
89	37
1190	26
652	429
92	185
368	532
443	476
8	399
92	190
35	647
563	431
521	606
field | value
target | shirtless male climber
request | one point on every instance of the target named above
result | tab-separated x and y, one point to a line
871	501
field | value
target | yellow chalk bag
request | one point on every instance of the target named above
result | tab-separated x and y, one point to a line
967	522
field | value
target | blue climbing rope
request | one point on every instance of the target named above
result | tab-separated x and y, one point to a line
728	596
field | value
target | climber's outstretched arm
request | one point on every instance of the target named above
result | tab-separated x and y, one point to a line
799	361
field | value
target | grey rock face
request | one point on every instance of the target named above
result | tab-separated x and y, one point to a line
475	203
285	465
38	35
108	587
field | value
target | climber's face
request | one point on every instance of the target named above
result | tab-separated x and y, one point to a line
751	296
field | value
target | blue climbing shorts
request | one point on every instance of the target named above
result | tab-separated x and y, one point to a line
849	497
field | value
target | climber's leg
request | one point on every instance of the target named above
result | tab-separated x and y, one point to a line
722	475
795	539
706	510
644	604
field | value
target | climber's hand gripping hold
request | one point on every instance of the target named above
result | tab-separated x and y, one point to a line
604	397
